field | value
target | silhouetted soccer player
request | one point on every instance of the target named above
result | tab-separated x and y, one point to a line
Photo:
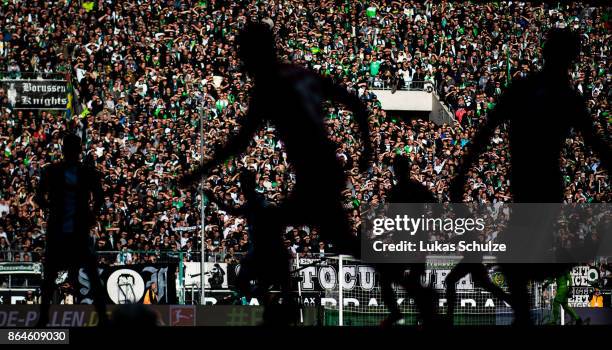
267	260
470	264
291	98
66	190
541	111
269	246
407	190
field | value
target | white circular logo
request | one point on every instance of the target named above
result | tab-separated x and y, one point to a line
593	275
125	286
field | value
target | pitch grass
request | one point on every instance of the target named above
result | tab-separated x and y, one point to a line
355	319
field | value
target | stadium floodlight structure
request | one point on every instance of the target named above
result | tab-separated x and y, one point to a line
202	207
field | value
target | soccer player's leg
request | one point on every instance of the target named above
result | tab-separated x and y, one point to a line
91	269
272	266
519	297
457	272
336	229
556	312
387	277
426	298
47	290
571	312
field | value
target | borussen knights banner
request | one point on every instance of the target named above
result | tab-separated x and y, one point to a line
36	94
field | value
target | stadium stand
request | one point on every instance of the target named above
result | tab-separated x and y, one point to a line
140	70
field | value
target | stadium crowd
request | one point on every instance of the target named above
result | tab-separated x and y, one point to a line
145	72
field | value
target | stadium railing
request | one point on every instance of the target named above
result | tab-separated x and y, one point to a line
17	75
425	85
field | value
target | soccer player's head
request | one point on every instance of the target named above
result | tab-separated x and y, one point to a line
248	182
256	47
562	47
71	147
401	167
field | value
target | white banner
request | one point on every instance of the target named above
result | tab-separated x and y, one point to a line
584	278
215	275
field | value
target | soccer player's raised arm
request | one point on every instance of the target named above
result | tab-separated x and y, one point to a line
583	122
476	147
339	94
229	209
